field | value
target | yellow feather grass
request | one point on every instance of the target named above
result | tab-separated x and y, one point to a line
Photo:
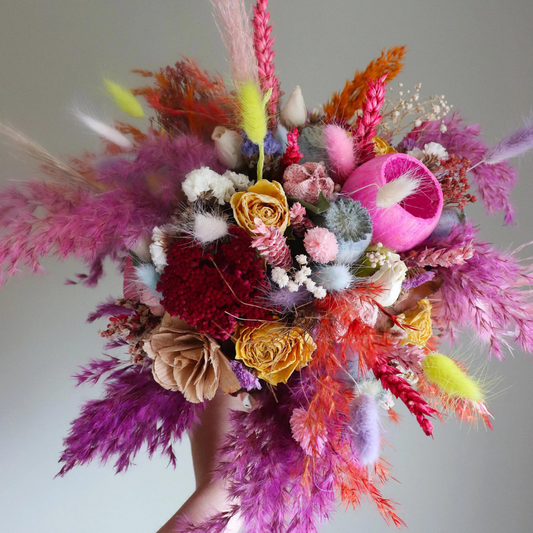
254	119
450	378
124	99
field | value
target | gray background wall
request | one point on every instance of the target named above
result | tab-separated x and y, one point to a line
53	54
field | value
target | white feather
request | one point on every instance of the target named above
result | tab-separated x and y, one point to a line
147	275
209	227
105	131
397	190
334	277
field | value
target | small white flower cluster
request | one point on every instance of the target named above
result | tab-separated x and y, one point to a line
203	182
294	279
430	150
409	106
379	258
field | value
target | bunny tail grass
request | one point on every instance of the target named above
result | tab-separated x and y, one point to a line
450	378
124	99
253	117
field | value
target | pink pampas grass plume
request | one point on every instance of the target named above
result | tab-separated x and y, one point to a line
339	146
272	245
321	245
236	33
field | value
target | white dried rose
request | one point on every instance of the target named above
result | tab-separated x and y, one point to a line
228	147
389	278
294	114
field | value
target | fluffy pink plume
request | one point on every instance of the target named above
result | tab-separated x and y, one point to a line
321	245
307	181
339	146
272	245
236	32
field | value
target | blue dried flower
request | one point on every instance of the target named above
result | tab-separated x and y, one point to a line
349	220
272	147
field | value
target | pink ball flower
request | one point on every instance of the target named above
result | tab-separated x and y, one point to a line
321	245
307	181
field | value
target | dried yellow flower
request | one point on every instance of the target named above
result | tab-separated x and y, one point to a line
188	361
275	351
419	318
265	200
382	147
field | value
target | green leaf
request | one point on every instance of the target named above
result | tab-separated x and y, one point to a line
320	207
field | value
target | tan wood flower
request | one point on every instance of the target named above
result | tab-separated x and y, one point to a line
188	361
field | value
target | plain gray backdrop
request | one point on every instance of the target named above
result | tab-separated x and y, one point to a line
53	54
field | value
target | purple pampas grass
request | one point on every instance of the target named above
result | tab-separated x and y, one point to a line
513	145
364	422
135	411
488	293
262	465
109	308
39	219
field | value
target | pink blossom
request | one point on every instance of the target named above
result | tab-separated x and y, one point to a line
299	221
307	181
321	245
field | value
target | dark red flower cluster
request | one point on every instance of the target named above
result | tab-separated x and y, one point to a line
454	183
210	287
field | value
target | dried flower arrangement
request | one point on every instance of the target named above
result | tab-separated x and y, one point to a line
313	259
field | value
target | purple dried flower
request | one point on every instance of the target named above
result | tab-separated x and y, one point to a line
365	432
272	147
418	279
247	380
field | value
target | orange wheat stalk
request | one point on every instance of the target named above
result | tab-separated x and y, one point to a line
342	106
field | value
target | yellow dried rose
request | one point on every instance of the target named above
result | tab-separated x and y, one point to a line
382	147
275	351
419	318
188	361
265	200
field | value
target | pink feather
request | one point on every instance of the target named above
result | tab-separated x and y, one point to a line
339	146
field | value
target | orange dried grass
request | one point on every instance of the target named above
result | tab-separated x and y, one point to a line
342	106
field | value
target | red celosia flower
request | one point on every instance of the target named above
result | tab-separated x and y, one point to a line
210	288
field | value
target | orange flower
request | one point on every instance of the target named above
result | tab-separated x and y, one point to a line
265	200
275	351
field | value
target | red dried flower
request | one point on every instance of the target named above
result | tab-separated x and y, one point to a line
210	287
454	183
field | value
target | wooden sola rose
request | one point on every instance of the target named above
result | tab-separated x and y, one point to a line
404	224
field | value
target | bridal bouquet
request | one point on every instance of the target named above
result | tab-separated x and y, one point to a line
313	259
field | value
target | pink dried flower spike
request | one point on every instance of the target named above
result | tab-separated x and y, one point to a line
272	245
